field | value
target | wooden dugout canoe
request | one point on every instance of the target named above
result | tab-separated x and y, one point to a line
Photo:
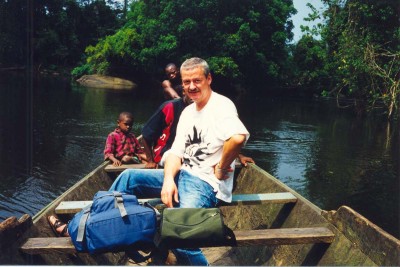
357	241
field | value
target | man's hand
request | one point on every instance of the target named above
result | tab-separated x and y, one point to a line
222	174
244	160
230	152
169	193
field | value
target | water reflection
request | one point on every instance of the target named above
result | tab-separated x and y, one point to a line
328	155
290	148
50	140
53	137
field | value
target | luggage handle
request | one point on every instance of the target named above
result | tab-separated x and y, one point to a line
119	202
82	224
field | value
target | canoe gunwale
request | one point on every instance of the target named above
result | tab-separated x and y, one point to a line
52	205
287	188
251	179
370	238
348	226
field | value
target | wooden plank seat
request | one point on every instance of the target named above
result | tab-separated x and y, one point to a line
111	168
264	237
71	207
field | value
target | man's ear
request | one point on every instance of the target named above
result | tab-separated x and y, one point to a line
209	79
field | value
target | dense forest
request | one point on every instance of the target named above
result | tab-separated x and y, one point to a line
354	54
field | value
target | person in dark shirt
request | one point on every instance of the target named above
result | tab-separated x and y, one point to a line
172	86
159	131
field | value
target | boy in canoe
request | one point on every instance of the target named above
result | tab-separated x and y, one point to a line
122	146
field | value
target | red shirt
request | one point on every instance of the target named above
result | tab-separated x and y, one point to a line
120	144
160	129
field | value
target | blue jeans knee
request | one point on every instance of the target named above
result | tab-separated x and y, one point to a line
144	183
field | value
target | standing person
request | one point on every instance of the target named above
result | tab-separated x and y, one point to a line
199	168
122	147
172	86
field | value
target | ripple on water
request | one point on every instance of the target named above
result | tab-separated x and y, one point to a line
288	150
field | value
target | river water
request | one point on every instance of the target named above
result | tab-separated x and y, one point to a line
53	133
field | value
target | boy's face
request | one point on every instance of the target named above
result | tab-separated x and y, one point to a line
125	124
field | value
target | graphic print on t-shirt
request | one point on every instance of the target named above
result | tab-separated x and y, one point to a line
195	149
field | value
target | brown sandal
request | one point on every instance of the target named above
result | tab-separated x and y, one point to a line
57	224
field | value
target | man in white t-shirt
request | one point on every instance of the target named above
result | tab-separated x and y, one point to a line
199	169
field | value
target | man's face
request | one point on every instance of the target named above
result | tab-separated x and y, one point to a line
196	85
171	73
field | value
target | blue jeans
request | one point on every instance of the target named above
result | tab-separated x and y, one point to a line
192	192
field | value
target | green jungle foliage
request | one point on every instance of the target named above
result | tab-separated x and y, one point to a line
358	55
53	32
353	54
242	42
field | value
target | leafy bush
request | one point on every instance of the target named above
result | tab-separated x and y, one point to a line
234	37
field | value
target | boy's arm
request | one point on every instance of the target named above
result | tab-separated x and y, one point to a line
109	151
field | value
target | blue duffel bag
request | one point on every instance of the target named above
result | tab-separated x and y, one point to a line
114	222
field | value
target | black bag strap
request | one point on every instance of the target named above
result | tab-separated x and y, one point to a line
230	237
156	239
158	214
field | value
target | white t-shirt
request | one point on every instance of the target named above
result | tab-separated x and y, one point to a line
200	136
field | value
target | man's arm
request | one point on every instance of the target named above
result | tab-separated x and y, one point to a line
168	90
230	152
169	192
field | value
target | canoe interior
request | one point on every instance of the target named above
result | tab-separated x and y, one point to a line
357	241
96	180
